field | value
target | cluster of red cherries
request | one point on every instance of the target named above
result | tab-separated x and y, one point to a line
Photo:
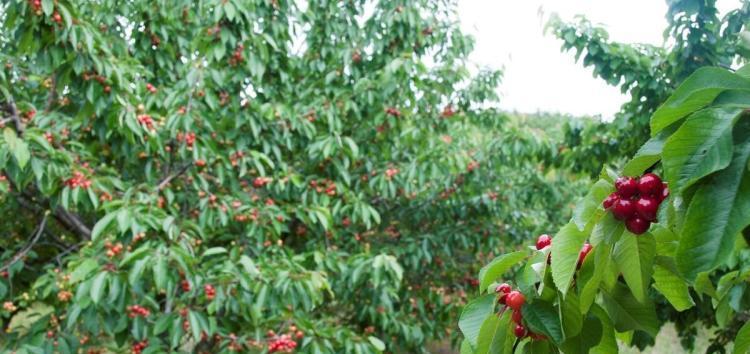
210	291
138	347
138	311
514	299
282	344
636	201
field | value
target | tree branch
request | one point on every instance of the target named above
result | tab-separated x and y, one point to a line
24	251
169	178
13	110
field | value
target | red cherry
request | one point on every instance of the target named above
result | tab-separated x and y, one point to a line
515	300
520	331
649	184
501	299
611	200
503	288
646	207
516	317
543	241
582	255
623	209
626	186
637	225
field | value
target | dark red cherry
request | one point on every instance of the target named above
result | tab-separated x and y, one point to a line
626	186
637	225
623	209
610	200
543	241
520	331
647	207
650	184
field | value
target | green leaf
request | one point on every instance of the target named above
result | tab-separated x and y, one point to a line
709	231
668	282
377	343
634	256
627	313
591	276
83	270
48	6
566	246
590	336
702	145
97	287
18	147
101	225
542	317
608	343
586	208
570	313
466	347
742	342
696	92
473	316
498	267
495	335
649	153
160	273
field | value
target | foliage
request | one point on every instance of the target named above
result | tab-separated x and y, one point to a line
697	252
695	37
213	176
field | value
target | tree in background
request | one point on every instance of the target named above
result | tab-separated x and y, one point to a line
695	37
223	175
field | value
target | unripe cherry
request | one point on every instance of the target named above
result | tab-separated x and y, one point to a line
543	241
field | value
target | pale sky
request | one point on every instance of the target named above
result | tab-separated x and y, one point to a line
537	76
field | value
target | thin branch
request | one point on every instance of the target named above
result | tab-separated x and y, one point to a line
73	221
27	248
169	178
69	220
13	110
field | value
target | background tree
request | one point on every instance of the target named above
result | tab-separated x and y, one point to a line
695	37
223	175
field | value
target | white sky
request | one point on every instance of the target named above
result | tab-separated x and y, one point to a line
537	76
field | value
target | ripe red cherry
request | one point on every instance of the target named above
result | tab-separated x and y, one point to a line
646	207
582	255
637	225
503	288
626	186
650	184
516	317
515	300
611	200
520	331
543	241
623	209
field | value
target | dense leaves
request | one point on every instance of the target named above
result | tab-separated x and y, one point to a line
214	176
695	254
